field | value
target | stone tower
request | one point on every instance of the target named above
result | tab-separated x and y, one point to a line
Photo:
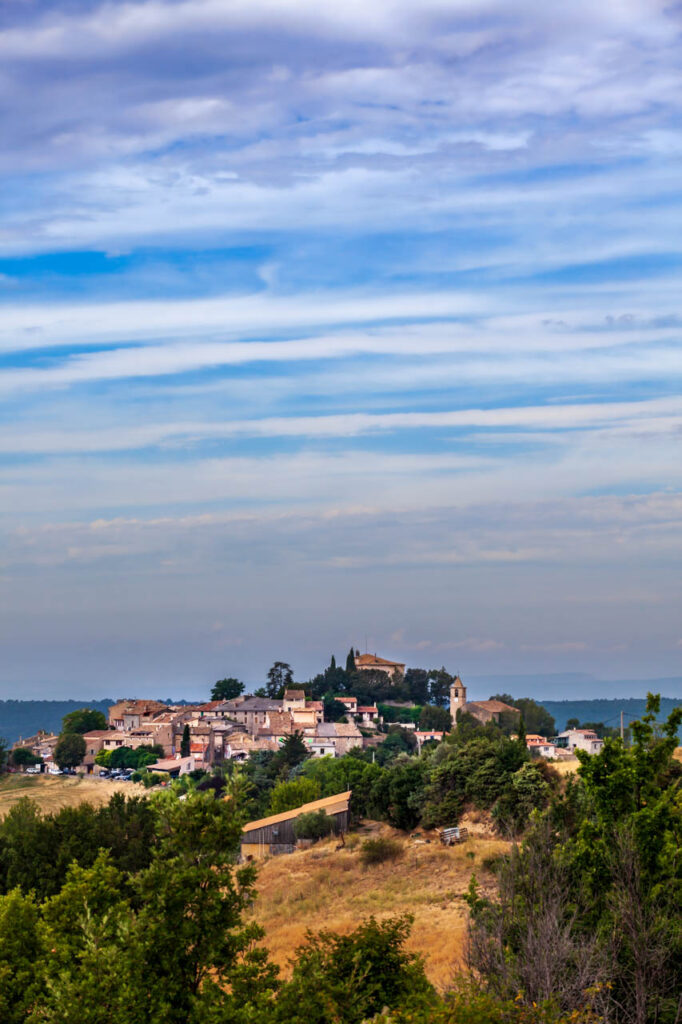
458	697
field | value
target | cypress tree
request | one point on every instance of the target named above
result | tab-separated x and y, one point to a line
184	744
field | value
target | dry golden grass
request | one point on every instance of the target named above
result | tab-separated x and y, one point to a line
325	888
567	767
678	754
53	792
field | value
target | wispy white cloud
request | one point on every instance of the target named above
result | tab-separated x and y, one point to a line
297	297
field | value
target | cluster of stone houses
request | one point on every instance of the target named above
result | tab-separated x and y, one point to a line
230	730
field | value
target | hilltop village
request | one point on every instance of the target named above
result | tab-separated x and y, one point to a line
186	738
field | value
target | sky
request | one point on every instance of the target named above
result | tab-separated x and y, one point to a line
339	324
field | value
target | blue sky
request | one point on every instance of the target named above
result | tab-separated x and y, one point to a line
329	323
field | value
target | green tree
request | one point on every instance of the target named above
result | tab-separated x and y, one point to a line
288	795
351	978
291	753
83	720
70	750
22	756
280	676
537	718
350	662
227	689
334	710
194	943
434	718
3	754
417	682
184	743
20	951
440	682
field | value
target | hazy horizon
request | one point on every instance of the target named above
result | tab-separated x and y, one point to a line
339	326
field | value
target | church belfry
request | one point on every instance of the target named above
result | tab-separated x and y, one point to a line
458	696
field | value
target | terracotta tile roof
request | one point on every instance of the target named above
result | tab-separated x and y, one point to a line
346	729
169	764
314	705
315	805
294	694
496	706
371	708
367	660
347	700
280	723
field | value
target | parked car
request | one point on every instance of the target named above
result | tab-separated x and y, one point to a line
33	769
55	771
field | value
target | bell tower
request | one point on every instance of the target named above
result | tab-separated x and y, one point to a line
458	697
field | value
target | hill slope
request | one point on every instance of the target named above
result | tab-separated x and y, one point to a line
52	792
325	888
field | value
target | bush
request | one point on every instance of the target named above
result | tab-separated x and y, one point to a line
149	779
378	851
314	825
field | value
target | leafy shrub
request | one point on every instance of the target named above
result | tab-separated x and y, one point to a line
380	850
150	779
314	825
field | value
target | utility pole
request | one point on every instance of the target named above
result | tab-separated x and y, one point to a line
622	730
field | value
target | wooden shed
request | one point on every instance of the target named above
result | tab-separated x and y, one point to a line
276	834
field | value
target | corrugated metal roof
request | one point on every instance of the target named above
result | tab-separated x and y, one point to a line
315	805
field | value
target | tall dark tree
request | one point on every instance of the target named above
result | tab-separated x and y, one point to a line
350	662
438	719
333	709
23	756
70	750
227	689
292	752
184	743
440	682
280	677
417	682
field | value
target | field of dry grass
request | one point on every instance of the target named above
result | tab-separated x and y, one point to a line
326	888
567	767
52	792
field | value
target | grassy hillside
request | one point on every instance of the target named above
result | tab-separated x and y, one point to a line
327	888
52	792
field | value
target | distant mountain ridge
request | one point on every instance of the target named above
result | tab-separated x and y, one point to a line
21	718
606	710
